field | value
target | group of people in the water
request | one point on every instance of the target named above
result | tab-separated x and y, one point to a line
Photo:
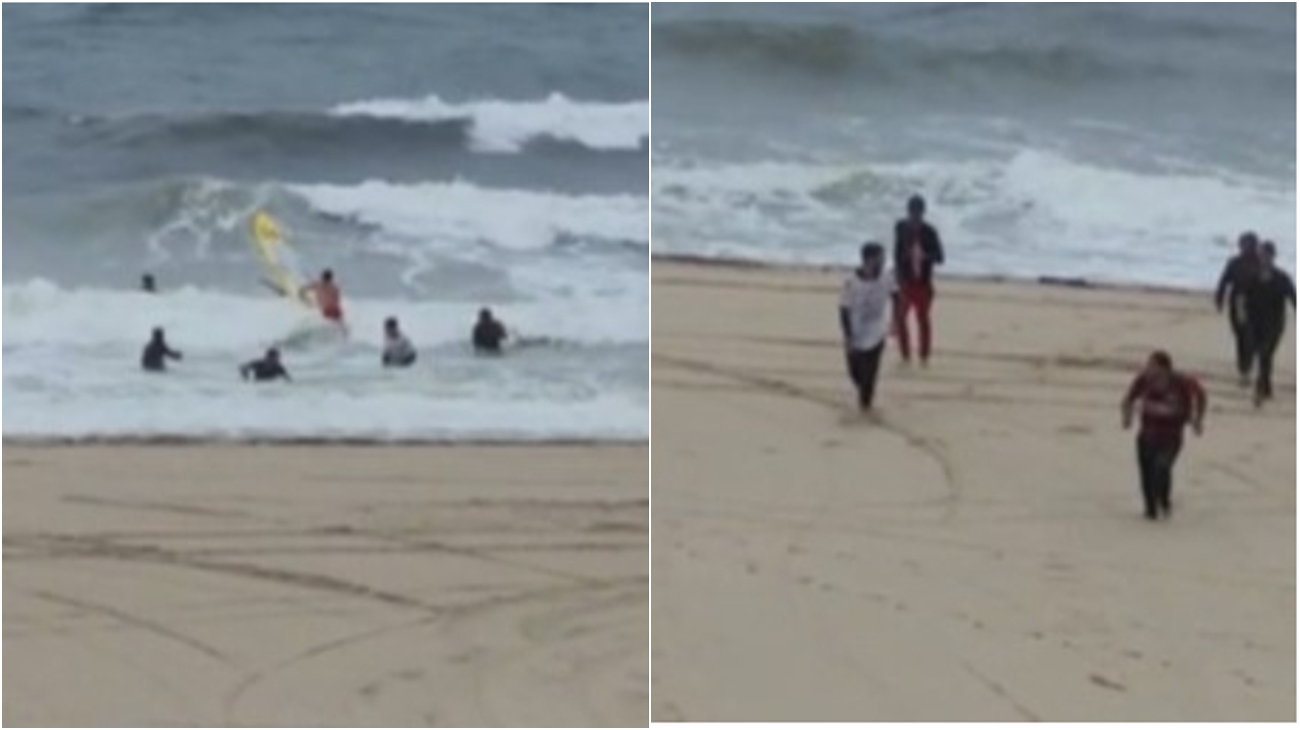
1252	289
487	337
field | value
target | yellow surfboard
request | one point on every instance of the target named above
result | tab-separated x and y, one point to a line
277	259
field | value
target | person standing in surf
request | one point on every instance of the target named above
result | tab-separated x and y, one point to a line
1169	401
328	297
917	250
1266	295
864	321
1233	284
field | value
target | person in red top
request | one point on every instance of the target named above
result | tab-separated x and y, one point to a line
917	250
328	297
1169	401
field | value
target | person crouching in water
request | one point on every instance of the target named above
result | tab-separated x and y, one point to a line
156	352
864	321
1170	401
268	367
488	333
398	350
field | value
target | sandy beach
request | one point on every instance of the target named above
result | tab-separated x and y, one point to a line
978	553
301	585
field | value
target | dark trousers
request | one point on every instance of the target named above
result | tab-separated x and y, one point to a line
864	365
1241	333
1156	457
1264	345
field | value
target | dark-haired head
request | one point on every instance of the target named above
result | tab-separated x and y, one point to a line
916	206
1247	242
1161	360
327	275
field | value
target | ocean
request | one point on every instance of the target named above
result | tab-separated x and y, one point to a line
1125	143
439	158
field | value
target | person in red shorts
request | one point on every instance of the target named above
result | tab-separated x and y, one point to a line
917	250
328	297
1170	401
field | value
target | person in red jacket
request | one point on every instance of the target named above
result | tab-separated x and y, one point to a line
1169	401
917	250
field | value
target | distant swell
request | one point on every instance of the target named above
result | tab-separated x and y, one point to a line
296	133
840	50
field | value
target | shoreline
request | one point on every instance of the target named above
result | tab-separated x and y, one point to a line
46	442
1048	280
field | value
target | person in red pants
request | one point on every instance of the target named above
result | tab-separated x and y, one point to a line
917	250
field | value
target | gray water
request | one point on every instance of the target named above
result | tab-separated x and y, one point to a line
1055	138
438	157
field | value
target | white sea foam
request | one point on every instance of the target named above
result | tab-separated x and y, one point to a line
1031	213
503	126
459	212
71	369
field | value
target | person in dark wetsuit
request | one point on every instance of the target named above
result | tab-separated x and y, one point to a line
1170	401
917	250
488	333
398	350
267	368
147	284
1236	277
1267	295
156	352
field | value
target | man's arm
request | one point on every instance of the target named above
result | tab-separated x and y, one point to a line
846	328
1290	290
1225	280
938	247
1130	399
1200	402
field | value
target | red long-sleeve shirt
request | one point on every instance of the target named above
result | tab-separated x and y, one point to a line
1167	409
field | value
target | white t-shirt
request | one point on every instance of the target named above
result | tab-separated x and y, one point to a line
868	302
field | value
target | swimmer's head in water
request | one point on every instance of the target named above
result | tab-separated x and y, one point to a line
157	333
390	325
327	276
485	315
147	282
273	354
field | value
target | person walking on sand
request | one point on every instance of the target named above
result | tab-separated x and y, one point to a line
917	250
864	321
1266	295
1169	400
1233	283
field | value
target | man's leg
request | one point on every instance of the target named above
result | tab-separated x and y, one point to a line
870	368
853	360
1146	470
924	299
1245	350
900	321
1267	348
1165	456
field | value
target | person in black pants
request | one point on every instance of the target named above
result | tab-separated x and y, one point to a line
1266	299
1170	401
864	321
1233	284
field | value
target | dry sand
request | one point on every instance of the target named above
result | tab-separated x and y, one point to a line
977	554
246	585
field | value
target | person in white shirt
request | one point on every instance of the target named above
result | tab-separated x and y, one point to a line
398	350
864	320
